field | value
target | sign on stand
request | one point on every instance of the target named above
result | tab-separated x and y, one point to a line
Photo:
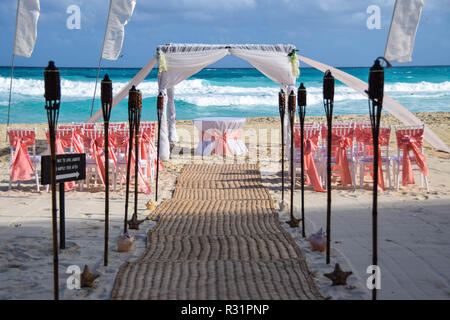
69	167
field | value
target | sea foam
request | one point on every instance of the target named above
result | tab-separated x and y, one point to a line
203	93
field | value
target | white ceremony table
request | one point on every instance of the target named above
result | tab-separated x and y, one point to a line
220	135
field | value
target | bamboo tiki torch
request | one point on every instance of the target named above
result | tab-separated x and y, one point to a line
106	99
293	222
52	102
137	96
159	106
301	115
328	100
132	105
375	92
282	108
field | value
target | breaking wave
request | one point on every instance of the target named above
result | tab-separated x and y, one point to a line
203	93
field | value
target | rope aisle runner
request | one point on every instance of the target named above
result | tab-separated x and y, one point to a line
219	237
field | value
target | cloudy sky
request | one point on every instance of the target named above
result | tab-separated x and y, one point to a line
331	31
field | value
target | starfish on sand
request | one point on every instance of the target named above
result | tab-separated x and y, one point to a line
294	222
87	278
134	223
338	277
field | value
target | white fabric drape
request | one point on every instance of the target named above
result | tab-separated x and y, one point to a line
274	64
164	144
181	62
124	91
173	137
212	130
405	20
287	120
26	27
120	12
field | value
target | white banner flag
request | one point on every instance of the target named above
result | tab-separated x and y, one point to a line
26	27
400	42
120	12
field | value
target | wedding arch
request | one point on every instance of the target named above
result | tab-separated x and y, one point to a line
278	62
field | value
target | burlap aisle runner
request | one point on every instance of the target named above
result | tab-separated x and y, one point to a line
219	237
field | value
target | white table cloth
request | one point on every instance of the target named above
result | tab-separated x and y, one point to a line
220	135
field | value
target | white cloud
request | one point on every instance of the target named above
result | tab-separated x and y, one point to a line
218	4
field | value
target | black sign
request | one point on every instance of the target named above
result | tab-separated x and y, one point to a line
69	167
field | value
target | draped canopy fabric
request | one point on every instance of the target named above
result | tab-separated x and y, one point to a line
178	62
184	60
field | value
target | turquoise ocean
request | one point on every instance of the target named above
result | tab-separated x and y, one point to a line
216	92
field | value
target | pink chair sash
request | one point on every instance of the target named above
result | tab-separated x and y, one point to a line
411	143
21	167
145	187
310	167
221	146
62	142
365	136
147	147
96	151
121	140
342	143
310	145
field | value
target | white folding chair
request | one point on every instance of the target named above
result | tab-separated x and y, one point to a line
400	131
311	131
35	159
341	129
365	152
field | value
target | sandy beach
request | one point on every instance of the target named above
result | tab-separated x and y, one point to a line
414	227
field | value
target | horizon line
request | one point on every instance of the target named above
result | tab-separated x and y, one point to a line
209	68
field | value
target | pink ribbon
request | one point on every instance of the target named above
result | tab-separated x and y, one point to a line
341	158
21	168
310	167
145	187
96	151
221	146
62	142
147	147
411	143
365	136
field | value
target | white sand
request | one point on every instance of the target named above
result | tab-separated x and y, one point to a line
413	239
414	233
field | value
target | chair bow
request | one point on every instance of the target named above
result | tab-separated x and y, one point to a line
366	137
220	140
145	187
411	143
309	147
21	167
342	143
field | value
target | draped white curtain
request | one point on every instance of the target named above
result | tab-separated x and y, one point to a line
178	62
181	63
273	62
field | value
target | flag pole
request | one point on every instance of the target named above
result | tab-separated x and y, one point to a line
12	69
10	90
101	58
